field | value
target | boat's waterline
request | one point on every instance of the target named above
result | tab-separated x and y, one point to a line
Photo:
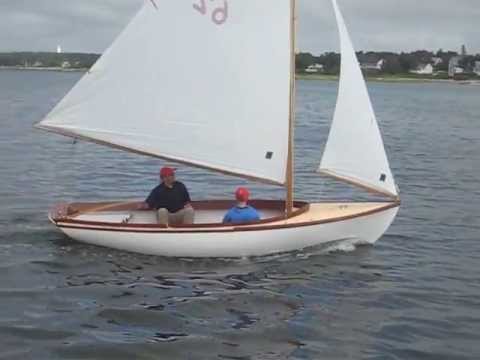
311	225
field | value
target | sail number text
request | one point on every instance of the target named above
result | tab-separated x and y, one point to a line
219	15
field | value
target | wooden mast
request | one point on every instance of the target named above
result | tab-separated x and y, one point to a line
290	165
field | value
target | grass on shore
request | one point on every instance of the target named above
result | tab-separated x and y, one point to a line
384	77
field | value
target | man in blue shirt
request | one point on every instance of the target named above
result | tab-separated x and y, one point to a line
242	212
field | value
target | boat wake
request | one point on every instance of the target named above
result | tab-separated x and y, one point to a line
339	246
344	245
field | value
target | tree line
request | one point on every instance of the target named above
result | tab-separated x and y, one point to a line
393	63
48	59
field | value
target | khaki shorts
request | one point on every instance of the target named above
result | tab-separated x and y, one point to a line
184	216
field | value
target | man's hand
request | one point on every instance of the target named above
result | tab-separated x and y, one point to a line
143	206
188	206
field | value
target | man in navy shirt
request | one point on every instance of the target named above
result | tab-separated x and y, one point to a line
242	212
171	200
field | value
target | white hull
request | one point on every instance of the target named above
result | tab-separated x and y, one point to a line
360	223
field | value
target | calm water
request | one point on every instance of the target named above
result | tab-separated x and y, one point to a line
414	295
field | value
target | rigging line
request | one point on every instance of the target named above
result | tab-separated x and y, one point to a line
154	4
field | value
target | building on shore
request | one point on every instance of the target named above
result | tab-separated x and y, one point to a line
59	49
315	68
436	61
378	66
423	69
476	68
454	67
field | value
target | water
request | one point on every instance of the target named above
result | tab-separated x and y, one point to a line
414	295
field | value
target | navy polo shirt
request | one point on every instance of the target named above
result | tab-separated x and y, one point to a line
172	199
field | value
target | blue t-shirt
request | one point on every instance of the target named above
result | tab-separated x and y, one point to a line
239	215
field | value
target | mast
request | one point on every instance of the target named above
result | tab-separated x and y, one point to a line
291	120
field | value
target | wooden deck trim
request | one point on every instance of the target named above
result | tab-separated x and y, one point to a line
76	209
217	229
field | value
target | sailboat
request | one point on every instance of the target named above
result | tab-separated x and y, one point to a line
180	83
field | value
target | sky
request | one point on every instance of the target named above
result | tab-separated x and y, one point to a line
377	25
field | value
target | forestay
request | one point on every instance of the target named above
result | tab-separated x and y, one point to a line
354	150
201	82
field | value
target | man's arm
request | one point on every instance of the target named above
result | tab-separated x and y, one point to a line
227	219
186	197
143	206
256	214
149	203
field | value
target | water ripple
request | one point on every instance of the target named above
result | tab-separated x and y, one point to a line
414	295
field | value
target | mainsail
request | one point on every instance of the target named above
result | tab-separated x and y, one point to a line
354	151
201	82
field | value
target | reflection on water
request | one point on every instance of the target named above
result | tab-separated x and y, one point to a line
412	296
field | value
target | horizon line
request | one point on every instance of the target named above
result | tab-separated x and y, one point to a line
298	52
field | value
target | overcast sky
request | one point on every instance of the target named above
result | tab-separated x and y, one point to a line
392	25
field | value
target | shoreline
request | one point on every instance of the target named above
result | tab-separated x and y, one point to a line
387	79
384	79
32	68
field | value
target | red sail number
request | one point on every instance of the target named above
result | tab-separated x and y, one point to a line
219	14
202	8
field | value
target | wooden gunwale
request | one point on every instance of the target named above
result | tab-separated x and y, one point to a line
82	208
215	228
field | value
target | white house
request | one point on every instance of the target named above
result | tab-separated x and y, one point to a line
437	61
66	64
424	69
315	68
373	66
476	69
454	66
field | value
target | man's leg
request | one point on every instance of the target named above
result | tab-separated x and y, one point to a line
184	216
162	216
188	215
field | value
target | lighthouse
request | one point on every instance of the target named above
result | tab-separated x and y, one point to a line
59	49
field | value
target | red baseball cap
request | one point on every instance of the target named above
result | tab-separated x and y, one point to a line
242	194
167	171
